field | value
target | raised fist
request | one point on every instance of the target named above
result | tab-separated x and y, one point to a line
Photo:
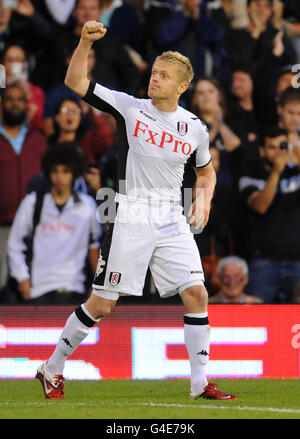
93	31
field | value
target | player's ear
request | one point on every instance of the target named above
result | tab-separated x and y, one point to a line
183	87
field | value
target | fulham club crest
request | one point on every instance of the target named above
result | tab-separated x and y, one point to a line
182	128
114	278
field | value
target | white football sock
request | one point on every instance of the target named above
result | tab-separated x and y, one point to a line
197	337
76	329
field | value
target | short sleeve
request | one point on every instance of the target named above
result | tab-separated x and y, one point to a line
110	101
202	153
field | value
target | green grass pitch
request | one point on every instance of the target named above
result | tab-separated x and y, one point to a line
168	399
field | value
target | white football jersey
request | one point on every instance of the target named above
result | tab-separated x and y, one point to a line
153	146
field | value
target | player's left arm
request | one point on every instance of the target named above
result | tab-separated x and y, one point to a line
95	235
203	192
93	257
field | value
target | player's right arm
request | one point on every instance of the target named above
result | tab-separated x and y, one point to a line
76	77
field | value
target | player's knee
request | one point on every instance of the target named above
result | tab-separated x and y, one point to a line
103	309
195	297
199	294
99	307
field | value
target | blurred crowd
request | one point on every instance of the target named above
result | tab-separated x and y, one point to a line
56	151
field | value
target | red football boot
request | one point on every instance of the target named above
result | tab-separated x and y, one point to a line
211	392
53	385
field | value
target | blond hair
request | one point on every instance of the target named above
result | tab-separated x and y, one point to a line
180	61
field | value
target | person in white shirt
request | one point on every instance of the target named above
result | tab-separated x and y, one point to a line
155	139
67	231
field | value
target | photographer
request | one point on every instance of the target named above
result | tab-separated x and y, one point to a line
289	114
270	187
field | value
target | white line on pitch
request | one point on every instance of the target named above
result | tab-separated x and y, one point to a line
262	409
150	404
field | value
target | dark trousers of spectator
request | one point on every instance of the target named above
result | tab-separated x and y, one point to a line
58	297
273	281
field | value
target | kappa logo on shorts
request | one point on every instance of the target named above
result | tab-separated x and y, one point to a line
114	278
100	265
182	128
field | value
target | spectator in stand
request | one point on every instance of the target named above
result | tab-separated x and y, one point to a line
270	188
208	103
91	132
76	121
68	123
288	16
289	115
57	94
64	234
260	42
24	25
230	13
266	107
264	45
16	63
113	67
185	26
89	182
241	117
221	12
5	15
233	275
122	19
285	80
21	149
236	10
57	12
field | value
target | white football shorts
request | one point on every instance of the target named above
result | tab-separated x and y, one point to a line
145	235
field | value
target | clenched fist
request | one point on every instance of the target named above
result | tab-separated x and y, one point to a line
93	31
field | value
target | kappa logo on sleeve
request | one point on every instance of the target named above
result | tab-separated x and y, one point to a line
114	278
